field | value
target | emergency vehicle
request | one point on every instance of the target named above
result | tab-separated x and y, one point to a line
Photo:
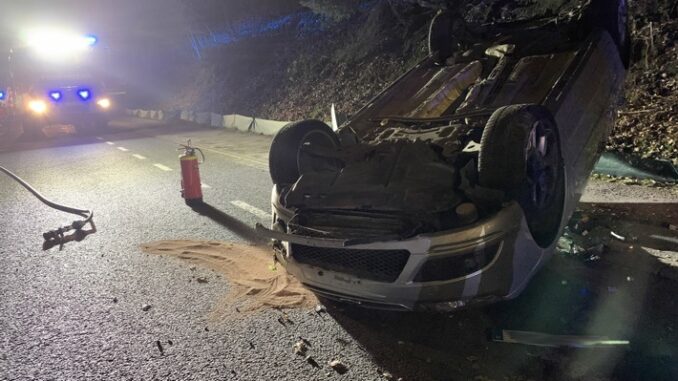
53	79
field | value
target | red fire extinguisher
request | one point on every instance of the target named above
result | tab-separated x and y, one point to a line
191	187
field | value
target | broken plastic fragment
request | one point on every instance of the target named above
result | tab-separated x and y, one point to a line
338	366
547	340
300	348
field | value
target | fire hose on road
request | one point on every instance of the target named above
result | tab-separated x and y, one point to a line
56	235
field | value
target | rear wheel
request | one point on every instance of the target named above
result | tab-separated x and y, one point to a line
520	155
286	154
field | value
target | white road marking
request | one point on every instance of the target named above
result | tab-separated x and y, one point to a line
100	138
162	167
123	149
110	143
136	155
251	209
205	186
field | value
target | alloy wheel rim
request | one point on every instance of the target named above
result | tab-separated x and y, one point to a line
541	165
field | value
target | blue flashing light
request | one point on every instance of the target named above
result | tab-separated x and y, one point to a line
84	94
55	95
2	95
91	40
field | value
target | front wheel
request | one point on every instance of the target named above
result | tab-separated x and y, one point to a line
286	156
520	155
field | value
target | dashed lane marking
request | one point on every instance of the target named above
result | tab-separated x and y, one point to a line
110	143
123	149
205	186
162	167
251	209
100	138
140	157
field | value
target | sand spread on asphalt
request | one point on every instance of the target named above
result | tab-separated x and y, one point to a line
255	283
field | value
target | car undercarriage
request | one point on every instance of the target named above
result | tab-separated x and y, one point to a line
467	166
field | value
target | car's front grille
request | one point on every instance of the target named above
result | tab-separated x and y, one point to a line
377	265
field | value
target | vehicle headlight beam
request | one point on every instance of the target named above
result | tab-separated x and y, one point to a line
37	106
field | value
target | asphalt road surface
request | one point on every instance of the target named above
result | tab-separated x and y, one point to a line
75	312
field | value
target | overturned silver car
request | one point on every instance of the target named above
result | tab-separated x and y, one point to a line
452	186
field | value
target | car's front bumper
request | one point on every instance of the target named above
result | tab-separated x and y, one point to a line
504	238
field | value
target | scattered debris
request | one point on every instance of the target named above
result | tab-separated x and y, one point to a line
338	366
284	319
201	280
386	375
115	300
251	345
146	307
547	340
308	343
617	236
300	348
160	348
472	358
320	309
311	361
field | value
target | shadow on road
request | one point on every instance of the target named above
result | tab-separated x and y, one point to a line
241	229
627	293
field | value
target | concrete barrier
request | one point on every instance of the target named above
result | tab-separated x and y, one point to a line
235	121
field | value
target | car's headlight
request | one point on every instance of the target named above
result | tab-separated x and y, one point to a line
104	103
37	106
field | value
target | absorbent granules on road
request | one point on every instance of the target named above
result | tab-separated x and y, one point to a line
255	283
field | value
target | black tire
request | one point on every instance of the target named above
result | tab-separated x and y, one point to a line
283	157
612	15
520	155
440	45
